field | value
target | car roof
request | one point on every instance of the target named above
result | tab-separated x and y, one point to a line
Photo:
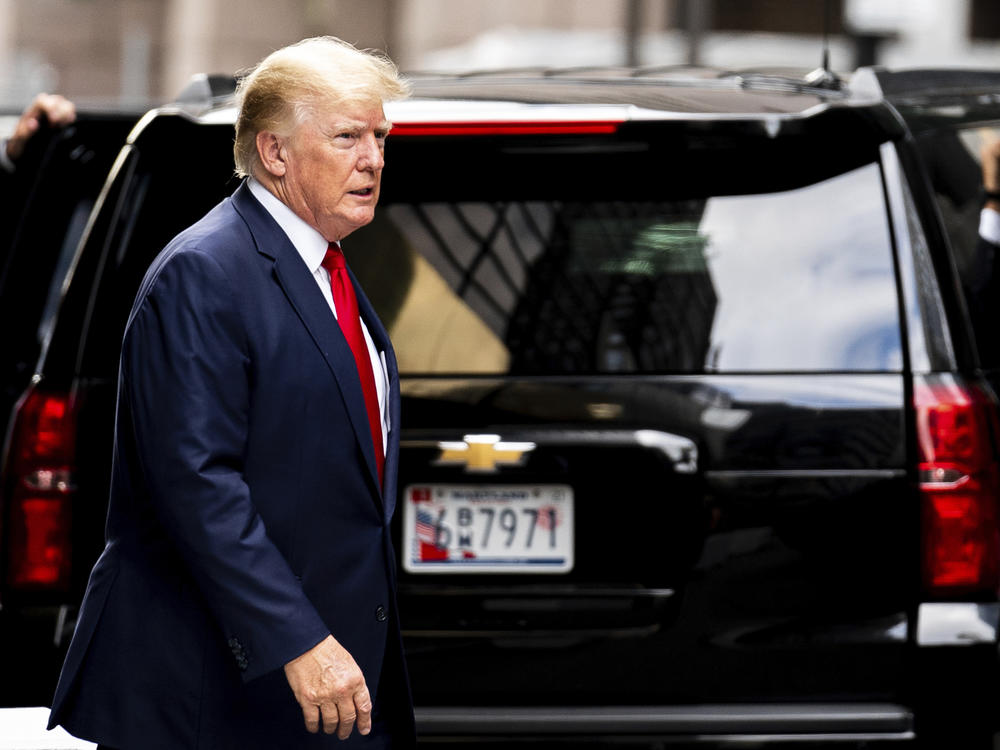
666	90
588	94
883	99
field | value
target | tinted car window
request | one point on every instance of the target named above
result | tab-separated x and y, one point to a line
678	253
53	190
794	279
155	202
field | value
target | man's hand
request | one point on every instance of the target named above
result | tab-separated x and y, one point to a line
990	154
330	687
54	109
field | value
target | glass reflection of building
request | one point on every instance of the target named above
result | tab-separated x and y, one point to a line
796	280
555	287
621	288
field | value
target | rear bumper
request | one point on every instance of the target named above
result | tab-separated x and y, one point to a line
948	681
715	724
954	678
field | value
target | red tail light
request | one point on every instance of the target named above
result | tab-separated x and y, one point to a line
960	486
39	490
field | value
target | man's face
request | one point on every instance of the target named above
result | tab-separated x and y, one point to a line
334	161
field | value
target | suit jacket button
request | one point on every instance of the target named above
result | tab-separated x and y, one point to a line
380	613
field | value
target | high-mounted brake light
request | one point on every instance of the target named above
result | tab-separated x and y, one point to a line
539	127
39	490
959	479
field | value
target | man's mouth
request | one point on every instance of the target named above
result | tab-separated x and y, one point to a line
363	192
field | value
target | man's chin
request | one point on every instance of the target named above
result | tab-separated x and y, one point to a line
344	228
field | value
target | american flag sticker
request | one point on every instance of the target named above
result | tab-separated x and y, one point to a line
428	533
484	528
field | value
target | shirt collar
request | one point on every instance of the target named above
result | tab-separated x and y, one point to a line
309	243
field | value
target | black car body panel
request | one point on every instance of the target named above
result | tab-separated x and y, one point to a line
765	574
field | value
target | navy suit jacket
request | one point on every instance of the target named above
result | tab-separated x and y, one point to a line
245	519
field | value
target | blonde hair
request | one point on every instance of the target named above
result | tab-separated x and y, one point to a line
290	83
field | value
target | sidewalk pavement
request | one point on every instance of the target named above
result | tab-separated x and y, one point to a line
24	729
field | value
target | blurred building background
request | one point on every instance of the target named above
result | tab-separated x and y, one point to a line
136	52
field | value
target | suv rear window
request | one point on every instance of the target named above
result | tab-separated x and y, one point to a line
772	279
663	248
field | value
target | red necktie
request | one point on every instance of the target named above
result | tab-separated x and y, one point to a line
350	323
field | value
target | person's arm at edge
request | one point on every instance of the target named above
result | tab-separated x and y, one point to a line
6	165
51	109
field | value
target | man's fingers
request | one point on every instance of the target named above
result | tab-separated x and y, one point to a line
362	700
331	689
58	110
347	717
310	713
61	111
332	717
28	126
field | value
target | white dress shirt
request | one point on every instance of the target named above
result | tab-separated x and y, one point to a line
311	246
989	226
5	163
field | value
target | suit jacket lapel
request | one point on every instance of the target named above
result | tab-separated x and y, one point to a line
307	300
382	343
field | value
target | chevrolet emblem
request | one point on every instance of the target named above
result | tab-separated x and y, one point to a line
482	453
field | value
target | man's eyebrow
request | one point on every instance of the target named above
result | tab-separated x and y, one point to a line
357	125
346	125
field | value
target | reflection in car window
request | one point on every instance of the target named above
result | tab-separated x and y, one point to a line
74	231
798	280
805	278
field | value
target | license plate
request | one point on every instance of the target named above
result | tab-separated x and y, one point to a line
488	528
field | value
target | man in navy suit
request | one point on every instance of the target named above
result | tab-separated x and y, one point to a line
246	594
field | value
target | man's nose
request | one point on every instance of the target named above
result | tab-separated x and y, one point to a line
371	156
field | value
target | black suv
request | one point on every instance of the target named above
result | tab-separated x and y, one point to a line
698	441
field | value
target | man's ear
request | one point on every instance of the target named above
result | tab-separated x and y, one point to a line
271	149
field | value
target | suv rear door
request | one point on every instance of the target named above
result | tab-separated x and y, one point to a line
680	344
